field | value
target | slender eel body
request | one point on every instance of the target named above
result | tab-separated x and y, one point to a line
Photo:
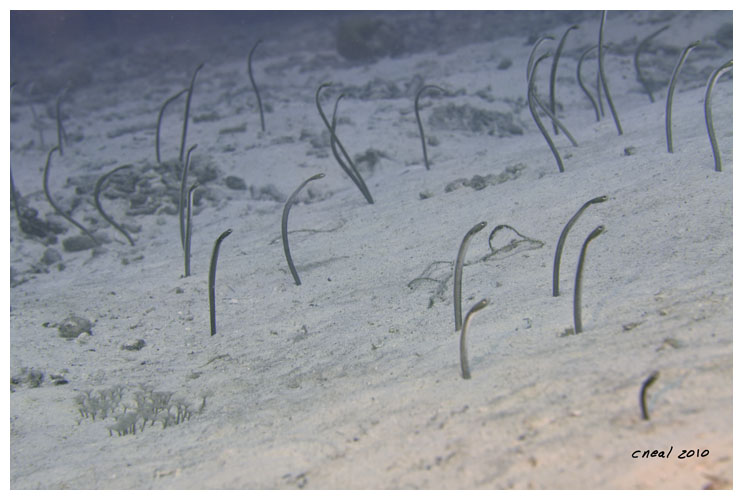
15	197
458	273
561	242
36	123
556	121
643	394
255	87
56	207
98	189
671	87
530	99
531	66
583	85
579	279
356	178
349	170
553	72
708	112
212	280
189	229
285	225
463	337
602	75
533	54
160	121
638	71
418	119
186	111
182	196
61	135
334	148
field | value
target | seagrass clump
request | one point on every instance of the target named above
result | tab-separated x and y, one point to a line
131	415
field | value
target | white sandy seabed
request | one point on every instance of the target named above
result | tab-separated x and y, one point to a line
352	380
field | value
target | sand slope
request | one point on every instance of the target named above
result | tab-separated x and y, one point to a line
352	380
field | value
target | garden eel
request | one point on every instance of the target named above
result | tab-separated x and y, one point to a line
641	46
160	120
532	54
462	339
212	279
351	172
182	196
579	279
553	71
418	119
643	394
358	180
583	86
602	75
556	121
708	112
255	87
285	224
13	196
458	273
186	111
530	67
530	99
98	188
561	242
671	87
36	123
61	134
189	228
334	148
56	207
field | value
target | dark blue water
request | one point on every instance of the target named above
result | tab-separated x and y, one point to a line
58	31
